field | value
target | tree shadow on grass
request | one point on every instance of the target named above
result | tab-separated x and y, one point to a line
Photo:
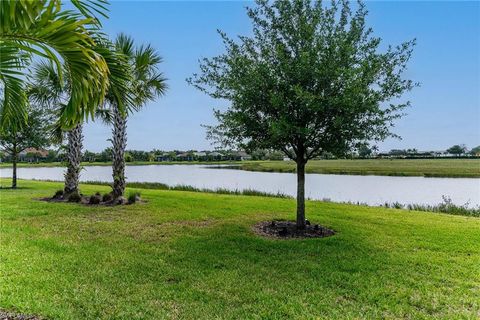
231	266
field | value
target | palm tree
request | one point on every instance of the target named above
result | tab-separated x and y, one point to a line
42	28
48	88
146	84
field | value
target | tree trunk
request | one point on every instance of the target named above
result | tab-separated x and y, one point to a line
119	142
300	194
14	174
74	158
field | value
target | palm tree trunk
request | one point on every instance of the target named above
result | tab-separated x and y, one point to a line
300	194
119	142
74	158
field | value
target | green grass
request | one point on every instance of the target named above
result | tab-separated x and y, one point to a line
465	168
193	255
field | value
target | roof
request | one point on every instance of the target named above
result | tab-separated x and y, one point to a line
41	152
185	154
200	154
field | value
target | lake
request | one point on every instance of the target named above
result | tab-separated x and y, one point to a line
372	190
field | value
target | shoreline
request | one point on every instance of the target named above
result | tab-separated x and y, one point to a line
428	168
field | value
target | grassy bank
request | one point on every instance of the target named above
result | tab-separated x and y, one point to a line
455	168
193	256
447	206
465	168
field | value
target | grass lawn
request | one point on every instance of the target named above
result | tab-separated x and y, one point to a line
190	255
383	167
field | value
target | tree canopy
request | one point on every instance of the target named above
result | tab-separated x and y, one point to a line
311	79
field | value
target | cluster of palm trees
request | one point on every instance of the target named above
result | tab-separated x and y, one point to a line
60	58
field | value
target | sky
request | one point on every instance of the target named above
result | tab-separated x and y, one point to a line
446	61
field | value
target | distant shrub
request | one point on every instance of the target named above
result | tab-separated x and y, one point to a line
95	199
107	197
447	206
58	194
74	197
133	197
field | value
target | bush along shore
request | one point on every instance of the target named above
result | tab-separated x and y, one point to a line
447	206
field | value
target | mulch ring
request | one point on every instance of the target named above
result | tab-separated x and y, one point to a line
289	230
5	315
95	200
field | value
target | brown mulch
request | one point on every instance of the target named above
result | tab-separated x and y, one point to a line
289	230
85	200
5	315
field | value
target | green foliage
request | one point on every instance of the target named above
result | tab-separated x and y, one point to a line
35	133
133	197
311	79
107	197
74	197
95	198
457	149
45	29
128	157
58	193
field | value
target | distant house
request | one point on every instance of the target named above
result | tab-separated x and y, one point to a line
237	156
215	156
164	157
186	156
244	156
32	154
200	156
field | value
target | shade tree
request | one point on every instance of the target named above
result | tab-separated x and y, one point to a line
311	79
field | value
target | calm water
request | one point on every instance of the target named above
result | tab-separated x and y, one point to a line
368	189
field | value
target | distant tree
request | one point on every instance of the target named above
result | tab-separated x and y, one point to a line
275	155
259	154
398	152
475	151
364	151
311	79
128	157
89	156
151	156
34	134
52	156
105	155
457	149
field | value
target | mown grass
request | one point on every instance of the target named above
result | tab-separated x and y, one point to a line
193	255
455	168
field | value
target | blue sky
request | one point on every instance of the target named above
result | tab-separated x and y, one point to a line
445	109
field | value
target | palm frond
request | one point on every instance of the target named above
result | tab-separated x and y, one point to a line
42	28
